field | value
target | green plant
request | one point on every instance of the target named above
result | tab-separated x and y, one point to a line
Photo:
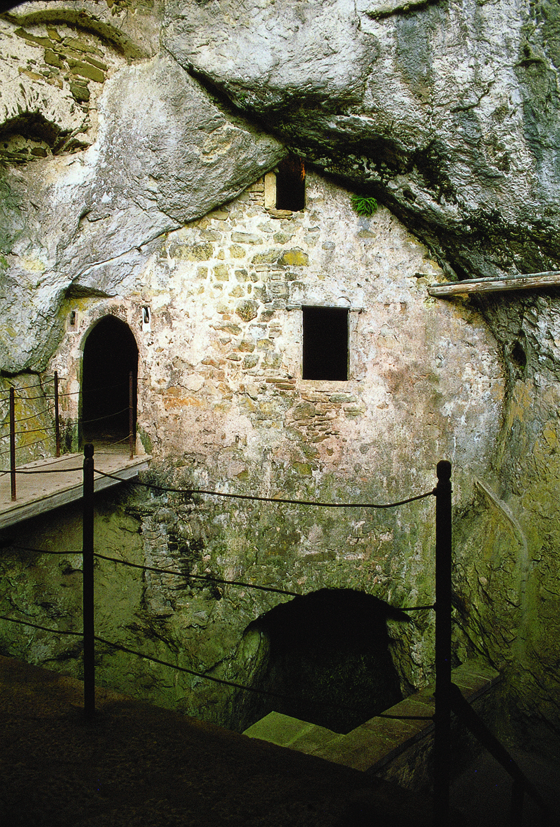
364	204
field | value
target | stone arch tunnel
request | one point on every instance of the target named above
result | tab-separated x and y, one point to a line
324	657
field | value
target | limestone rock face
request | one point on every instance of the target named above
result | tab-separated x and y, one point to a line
448	111
165	154
162	152
271	54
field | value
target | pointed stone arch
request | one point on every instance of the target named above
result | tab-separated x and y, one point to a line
110	356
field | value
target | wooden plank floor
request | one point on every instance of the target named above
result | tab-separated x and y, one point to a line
49	483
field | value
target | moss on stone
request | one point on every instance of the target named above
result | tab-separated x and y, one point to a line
294	258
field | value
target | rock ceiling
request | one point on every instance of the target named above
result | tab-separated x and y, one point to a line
448	112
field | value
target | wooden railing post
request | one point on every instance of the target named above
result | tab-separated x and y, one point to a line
442	734
56	414
88	592
522	785
13	442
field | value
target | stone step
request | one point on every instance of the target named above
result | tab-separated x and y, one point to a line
291	732
394	744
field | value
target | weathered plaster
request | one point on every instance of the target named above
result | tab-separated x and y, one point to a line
448	113
222	405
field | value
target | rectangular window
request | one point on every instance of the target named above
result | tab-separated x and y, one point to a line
325	343
290	184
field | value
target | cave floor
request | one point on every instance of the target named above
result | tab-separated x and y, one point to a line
136	765
482	793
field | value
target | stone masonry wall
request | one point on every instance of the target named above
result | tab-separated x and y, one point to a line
222	405
53	74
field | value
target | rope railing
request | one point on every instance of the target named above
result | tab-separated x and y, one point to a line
36	415
445	700
32	471
259	498
204	578
30	431
442	493
39	626
214	679
186	576
29	445
203	675
30	388
32	398
102	418
32	550
14	435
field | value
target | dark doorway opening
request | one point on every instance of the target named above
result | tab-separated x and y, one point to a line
110	356
327	660
325	343
290	184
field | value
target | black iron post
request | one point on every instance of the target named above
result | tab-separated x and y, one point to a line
516	811
442	735
131	414
13	442
56	414
88	605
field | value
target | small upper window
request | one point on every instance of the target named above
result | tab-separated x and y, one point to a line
290	184
325	343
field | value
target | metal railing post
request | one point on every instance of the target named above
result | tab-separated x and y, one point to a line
88	593
521	785
516	811
56	414
13	442
131	414
442	734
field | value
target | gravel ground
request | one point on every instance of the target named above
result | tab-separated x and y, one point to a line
136	765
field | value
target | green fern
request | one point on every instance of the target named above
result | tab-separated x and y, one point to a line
364	204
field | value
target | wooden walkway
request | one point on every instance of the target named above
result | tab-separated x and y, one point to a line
50	483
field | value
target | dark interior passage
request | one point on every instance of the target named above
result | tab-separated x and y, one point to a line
328	655
110	355
290	184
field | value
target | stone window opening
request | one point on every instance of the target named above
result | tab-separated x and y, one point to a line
285	188
325	343
146	319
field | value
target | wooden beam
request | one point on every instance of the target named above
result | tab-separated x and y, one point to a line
495	285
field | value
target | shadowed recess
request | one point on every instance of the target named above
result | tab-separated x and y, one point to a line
110	355
328	654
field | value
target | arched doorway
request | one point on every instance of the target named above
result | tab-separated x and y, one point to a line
110	356
325	657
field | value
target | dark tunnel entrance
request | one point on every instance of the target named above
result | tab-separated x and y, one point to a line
326	659
110	356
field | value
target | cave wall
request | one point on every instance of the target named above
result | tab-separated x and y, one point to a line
128	180
131	147
507	551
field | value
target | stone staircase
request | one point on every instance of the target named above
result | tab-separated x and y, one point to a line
395	745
